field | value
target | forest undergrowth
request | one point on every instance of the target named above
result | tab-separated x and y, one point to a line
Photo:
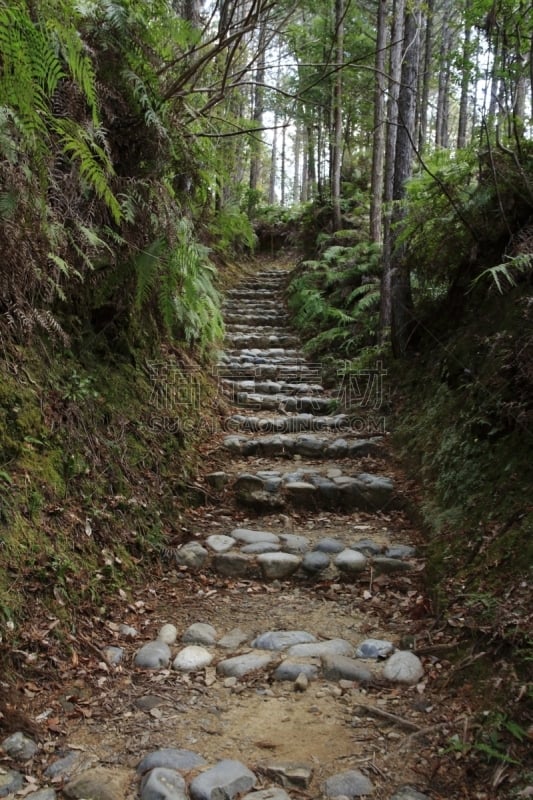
458	405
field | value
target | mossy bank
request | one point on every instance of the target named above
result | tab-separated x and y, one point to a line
463	425
98	453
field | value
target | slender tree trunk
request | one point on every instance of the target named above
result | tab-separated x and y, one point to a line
441	124
494	82
319	161
519	107
401	298
273	164
426	76
311	165
531	71
378	150
256	145
283	175
304	191
466	78
395	68
337	117
191	12
296	188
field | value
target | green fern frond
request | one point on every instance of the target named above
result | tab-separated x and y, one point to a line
146	266
334	253
369	301
504	275
115	15
362	291
141	94
60	263
81	68
92	161
8	204
92	238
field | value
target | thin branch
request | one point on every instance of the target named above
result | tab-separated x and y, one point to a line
239	132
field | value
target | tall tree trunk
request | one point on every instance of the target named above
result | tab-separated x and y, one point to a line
531	71
191	12
443	97
337	117
401	298
256	144
304	191
378	150
311	164
283	175
426	76
273	164
494	82
395	68
466	77
319	162
296	186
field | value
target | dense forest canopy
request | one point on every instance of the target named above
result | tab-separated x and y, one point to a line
135	135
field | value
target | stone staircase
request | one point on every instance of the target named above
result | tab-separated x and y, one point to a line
292	416
290	448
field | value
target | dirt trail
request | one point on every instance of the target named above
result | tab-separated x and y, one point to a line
296	733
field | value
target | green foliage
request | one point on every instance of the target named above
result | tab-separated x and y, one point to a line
493	741
461	213
432	228
464	427
338	296
232	232
505	275
79	388
179	280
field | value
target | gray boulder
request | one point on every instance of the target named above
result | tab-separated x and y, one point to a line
191	555
403	667
153	655
170	758
351	783
163	784
279	640
223	781
276	566
237	666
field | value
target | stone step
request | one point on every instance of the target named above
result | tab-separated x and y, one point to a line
280	402
266	317
265	329
265	355
270	303
274	273
252	340
307	488
261	279
242	310
263	555
257	293
264	285
289	372
288	424
307	445
272	387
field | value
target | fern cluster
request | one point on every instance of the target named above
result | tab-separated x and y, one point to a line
54	160
178	282
92	164
463	211
338	296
